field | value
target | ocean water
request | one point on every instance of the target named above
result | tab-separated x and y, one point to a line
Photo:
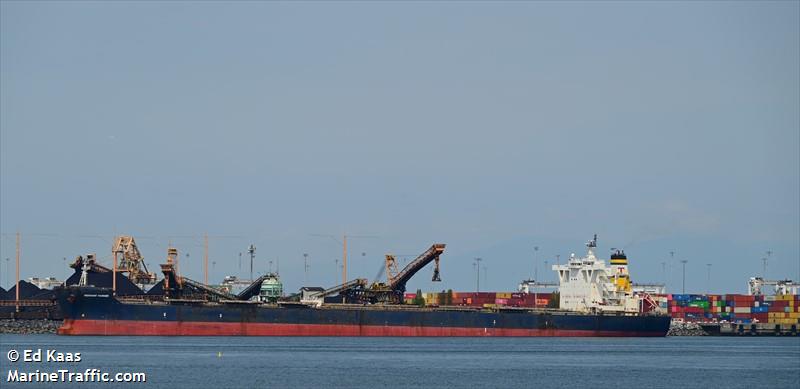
267	362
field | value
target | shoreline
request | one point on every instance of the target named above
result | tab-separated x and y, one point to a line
29	326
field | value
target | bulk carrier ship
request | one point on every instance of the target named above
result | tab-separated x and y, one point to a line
595	300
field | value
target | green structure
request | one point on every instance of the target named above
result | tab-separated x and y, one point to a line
271	289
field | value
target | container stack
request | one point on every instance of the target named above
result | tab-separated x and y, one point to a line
502	299
486	299
735	308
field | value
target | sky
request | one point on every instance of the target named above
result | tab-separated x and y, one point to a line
493	127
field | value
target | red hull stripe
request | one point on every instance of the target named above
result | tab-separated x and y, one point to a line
173	328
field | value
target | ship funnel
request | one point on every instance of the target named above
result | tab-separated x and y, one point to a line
619	258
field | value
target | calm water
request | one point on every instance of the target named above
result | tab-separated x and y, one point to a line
422	362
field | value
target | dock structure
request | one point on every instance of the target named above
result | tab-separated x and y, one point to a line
750	329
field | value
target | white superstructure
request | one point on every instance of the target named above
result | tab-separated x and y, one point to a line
587	284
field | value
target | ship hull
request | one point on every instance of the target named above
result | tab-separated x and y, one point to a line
151	328
97	313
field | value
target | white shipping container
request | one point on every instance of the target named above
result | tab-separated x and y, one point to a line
741	310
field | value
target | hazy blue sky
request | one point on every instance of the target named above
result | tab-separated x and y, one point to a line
492	127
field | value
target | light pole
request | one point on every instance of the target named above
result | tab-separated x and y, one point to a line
683	290
343	242
252	251
671	263
535	267
336	260
305	268
546	263
477	265
664	273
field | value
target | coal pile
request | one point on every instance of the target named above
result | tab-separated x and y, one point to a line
105	279
27	291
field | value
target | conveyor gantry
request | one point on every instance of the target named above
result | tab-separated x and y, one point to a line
207	289
352	284
398	282
252	289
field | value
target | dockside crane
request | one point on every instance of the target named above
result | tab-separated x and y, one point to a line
392	291
397	281
360	291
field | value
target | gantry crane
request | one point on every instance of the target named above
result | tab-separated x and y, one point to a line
131	261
